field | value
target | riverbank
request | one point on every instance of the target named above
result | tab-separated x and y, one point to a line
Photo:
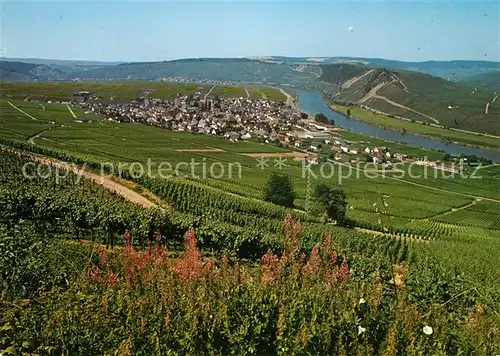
313	102
292	102
392	146
475	140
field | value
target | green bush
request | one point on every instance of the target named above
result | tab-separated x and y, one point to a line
279	190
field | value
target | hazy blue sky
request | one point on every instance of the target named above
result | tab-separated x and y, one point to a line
144	31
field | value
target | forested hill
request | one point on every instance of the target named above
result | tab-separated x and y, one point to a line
14	71
490	81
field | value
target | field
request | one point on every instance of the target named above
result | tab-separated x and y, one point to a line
128	90
420	129
253	277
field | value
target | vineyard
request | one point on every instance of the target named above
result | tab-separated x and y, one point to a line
213	269
403	205
70	205
346	280
103	141
482	214
128	90
237	308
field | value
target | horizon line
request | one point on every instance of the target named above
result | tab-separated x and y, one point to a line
256	58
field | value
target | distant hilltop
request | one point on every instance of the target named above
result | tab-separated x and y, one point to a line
445	69
63	62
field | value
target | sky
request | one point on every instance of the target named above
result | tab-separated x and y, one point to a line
153	31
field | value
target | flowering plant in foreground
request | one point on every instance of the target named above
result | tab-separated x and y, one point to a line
149	302
146	266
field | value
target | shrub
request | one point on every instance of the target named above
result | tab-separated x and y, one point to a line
279	190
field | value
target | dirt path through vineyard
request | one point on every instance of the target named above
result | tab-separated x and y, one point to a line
104	180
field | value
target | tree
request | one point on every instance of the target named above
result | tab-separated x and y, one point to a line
447	157
334	202
279	190
348	112
321	118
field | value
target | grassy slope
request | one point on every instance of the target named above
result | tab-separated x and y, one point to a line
490	81
432	96
425	94
417	128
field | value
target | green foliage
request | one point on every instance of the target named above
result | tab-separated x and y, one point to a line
334	202
142	302
321	118
64	202
279	190
32	261
488	81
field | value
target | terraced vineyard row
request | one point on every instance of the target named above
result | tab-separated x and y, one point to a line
222	221
70	205
483	214
434	229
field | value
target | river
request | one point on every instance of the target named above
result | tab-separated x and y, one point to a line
313	103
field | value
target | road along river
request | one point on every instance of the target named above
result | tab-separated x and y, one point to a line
312	103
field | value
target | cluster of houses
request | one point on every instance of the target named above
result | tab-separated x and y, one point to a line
382	155
234	118
343	150
179	79
238	119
